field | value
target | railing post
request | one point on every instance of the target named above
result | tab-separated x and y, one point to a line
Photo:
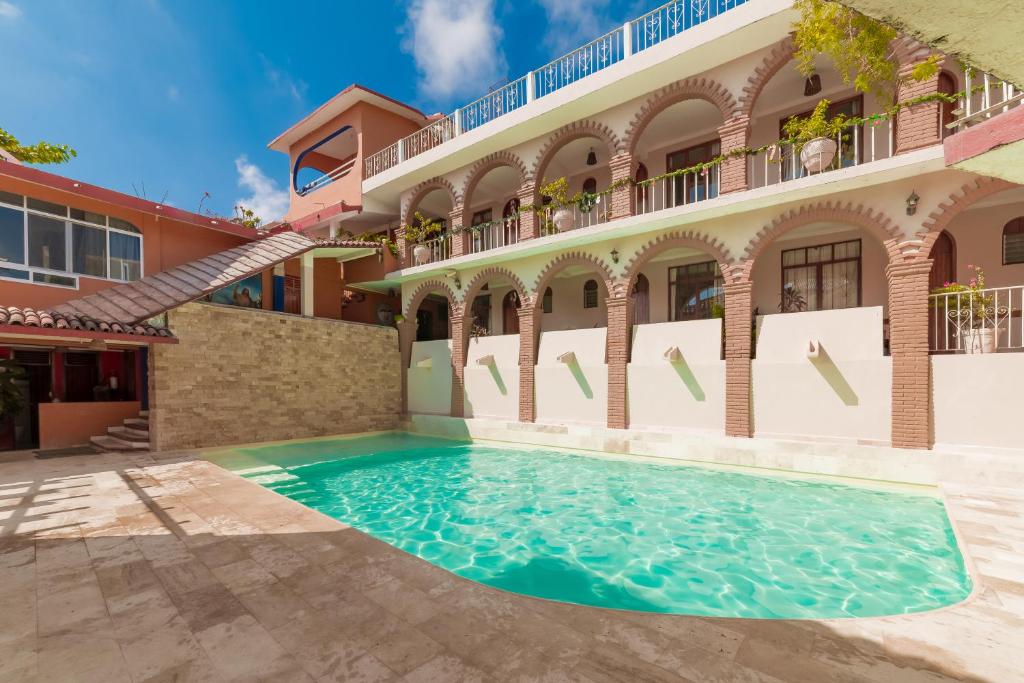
401	150
627	39
457	125
531	87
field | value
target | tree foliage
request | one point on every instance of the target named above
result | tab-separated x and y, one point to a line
40	153
11	397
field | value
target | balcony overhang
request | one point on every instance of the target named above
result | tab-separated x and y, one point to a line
750	27
910	165
993	148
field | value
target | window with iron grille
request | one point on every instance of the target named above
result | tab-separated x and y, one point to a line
590	294
1013	241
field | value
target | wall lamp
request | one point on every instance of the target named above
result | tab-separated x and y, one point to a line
615	255
912	201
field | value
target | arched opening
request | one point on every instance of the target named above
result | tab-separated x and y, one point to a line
947	86
433	319
785	96
488	199
325	162
577	300
491	329
510	304
643	190
679	139
433	208
429	373
547	301
943	256
1013	241
642	300
584	163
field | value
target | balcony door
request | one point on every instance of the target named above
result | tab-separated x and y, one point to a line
943	258
848	154
692	187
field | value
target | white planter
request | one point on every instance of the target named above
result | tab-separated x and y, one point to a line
562	219
818	153
420	254
979	341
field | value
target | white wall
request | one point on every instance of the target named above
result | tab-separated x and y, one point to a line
492	390
576	392
687	394
430	388
977	399
845	393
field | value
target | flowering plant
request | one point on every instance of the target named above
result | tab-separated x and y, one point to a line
967	305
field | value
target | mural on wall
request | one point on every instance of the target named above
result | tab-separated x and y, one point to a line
247	293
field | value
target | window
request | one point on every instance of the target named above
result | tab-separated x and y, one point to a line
821	278
47	207
695	291
12	235
590	186
481	315
693	187
481	217
546	301
125	257
47	243
89	250
1013	241
590	294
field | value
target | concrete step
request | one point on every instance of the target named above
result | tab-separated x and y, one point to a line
129	433
144	413
137	423
113	443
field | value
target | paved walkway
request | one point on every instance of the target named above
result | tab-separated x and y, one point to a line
117	568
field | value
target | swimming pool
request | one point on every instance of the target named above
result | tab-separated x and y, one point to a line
628	534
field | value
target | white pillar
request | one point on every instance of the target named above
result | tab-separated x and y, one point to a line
307	284
531	85
458	122
627	40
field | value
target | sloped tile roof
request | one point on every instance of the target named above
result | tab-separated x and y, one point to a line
152	295
30	317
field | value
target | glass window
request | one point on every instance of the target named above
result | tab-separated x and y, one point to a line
693	187
820	278
125	257
11	198
49	279
590	294
47	243
88	217
1013	242
123	225
12	273
48	207
12	235
695	290
89	250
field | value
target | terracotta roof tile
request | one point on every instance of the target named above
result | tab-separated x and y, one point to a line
30	317
154	294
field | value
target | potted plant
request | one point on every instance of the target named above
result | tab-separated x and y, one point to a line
423	228
815	136
12	400
558	190
972	312
793	300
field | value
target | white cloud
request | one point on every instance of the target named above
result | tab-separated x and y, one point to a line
456	45
8	10
267	199
282	82
571	24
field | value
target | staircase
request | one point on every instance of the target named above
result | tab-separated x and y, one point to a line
132	435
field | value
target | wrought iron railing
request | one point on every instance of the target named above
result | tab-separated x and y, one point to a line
507	98
494	235
593	57
673	18
982	321
432	250
686	188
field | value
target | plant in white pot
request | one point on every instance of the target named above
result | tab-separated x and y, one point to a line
816	136
973	313
558	191
422	228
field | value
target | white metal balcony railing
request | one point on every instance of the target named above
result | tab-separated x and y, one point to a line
686	188
494	235
858	144
633	37
327	178
552	223
432	251
986	321
986	97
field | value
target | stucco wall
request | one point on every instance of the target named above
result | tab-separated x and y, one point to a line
976	399
240	376
572	392
70	424
430	377
492	389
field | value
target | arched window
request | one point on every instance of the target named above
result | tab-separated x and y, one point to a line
510	216
943	258
590	294
510	313
546	301
590	186
1013	241
643	192
947	86
641	301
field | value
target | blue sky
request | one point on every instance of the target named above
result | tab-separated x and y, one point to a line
170	99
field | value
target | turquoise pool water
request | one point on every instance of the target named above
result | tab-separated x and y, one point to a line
627	534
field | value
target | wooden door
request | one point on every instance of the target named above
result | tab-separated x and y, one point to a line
943	257
641	301
510	313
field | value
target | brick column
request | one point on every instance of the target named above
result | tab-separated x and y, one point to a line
738	302
458	361
735	134
404	249
528	219
623	198
916	126
528	330
908	344
406	336
457	219
620	330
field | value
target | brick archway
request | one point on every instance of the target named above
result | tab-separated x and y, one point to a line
955	204
575	258
688	89
428	287
422	190
488	164
481	278
676	240
780	55
574	131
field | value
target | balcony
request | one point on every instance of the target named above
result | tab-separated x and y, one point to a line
973	322
633	38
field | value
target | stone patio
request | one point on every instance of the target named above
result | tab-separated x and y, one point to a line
167	568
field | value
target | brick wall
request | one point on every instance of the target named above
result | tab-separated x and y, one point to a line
241	376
